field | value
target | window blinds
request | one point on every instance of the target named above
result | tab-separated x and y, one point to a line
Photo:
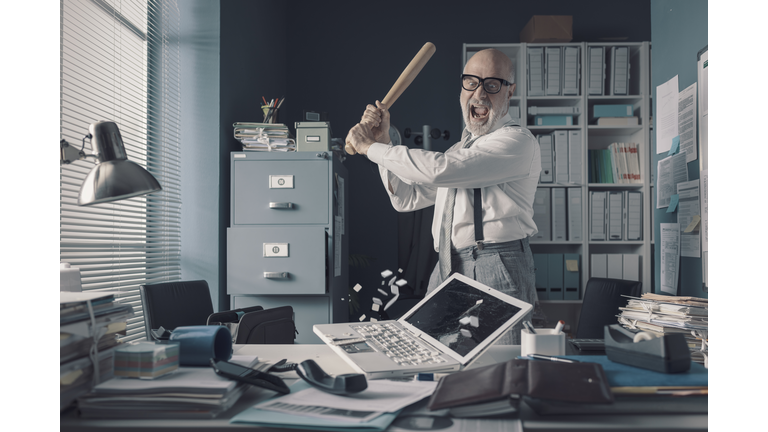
120	62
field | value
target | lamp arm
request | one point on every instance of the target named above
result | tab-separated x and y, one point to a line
69	154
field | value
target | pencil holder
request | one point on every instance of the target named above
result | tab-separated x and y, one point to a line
545	341
270	114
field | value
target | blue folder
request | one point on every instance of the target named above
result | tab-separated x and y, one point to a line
621	375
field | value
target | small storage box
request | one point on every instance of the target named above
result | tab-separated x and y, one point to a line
313	136
548	28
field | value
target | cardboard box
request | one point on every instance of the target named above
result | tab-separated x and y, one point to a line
548	28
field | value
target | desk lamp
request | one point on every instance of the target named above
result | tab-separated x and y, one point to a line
114	177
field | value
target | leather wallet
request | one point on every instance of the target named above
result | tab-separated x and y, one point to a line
571	382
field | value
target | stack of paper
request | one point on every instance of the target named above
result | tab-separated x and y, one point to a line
85	340
188	392
662	314
264	137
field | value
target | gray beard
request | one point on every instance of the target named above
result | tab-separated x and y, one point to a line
480	129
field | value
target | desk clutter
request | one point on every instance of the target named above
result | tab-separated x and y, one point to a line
264	137
660	315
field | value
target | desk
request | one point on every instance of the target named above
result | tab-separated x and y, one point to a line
334	365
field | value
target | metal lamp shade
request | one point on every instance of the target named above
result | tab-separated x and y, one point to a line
114	177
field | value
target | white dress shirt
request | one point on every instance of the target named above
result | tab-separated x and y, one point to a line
505	163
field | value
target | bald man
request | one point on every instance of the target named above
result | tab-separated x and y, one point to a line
482	187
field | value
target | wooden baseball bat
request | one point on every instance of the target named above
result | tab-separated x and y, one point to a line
406	78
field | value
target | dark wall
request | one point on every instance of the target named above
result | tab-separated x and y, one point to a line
338	56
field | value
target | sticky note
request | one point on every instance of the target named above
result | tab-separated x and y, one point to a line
675	146
694	222
464	321
357	287
474	321
386	273
673	203
572	265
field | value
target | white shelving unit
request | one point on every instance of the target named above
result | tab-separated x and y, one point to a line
593	137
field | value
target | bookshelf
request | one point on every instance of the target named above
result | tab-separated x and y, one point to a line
593	137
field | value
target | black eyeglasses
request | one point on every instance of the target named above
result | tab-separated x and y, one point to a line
490	85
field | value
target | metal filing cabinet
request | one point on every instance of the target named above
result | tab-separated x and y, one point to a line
286	243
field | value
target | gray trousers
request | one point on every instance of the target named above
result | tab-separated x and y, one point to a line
507	267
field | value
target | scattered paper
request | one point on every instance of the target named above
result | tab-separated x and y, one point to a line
399	270
378	301
362	317
357	287
384	293
386	273
401	282
474	321
479	301
466	333
391	302
392	281
375	307
464	320
395	290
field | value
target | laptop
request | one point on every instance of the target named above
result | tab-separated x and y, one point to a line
445	332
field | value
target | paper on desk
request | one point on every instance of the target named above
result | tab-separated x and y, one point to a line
688	208
670	172
381	396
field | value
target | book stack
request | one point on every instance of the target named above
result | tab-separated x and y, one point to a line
662	314
91	323
619	163
264	137
187	392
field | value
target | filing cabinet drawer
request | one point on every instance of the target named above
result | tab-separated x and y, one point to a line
280	192
276	260
307	311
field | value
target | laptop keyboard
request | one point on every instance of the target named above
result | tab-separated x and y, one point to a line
399	345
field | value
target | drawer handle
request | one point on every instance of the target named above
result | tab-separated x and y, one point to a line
281	205
275	275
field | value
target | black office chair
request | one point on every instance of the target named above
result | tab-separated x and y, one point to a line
175	304
601	303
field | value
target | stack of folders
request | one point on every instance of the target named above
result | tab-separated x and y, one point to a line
264	137
615	266
615	215
187	392
553	71
619	163
558	276
557	213
87	341
663	314
561	153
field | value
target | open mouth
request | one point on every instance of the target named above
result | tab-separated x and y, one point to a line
479	112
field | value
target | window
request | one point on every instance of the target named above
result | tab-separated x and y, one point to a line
120	62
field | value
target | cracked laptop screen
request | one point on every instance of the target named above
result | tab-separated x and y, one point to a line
461	317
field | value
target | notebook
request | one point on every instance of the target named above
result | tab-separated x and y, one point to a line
445	332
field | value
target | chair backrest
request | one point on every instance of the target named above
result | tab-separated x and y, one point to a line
175	304
602	300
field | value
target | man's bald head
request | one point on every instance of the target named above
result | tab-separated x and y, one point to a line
497	61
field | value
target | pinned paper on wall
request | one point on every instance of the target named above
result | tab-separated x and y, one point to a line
673	200
694	223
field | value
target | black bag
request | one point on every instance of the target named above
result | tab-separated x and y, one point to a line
256	325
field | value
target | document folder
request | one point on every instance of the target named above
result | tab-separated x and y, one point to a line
597	215
599	266
575	156
571	278
620	70
555	277
540	263
547	159
634	219
575	227
542	215
536	72
615	266
570	71
561	156
615	215
559	222
596	71
553	71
